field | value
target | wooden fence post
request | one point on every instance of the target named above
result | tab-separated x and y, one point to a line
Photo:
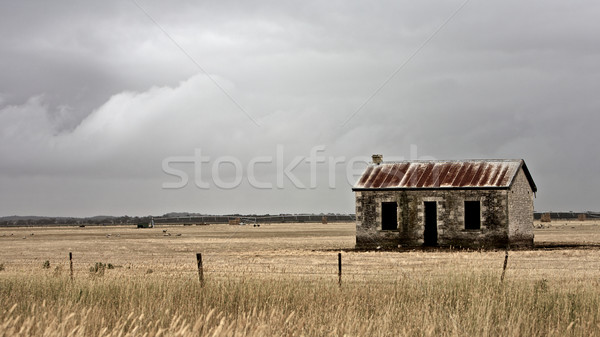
504	267
71	264
340	269
200	269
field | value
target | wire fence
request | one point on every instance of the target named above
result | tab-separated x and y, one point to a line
353	266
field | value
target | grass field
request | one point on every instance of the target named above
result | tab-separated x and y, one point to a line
281	279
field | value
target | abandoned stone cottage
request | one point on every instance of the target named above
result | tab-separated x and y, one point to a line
470	203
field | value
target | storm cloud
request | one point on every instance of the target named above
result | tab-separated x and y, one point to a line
96	97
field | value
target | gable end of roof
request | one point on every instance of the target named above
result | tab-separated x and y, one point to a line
523	167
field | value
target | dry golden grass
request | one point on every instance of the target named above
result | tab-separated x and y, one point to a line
281	280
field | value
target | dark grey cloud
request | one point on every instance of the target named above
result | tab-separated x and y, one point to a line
93	98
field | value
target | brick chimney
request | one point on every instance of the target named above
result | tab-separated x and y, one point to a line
377	159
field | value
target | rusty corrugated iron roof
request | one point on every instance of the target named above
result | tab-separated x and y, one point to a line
464	174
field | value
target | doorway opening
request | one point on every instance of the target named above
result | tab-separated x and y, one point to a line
430	235
389	216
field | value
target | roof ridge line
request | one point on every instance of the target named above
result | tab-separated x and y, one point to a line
446	161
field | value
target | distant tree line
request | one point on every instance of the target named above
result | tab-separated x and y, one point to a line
566	215
19	221
63	221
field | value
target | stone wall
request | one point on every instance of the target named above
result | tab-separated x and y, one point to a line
520	212
450	221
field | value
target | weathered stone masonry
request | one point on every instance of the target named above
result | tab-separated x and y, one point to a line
505	199
520	211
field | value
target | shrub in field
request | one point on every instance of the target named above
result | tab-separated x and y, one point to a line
98	268
541	286
1	266
46	264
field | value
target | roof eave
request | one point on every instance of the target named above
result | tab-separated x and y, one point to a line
358	189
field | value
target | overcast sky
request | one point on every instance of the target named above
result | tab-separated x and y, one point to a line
104	105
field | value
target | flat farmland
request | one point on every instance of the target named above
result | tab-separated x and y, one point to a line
282	279
288	248
568	232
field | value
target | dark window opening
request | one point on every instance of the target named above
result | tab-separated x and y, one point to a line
472	215
389	216
430	234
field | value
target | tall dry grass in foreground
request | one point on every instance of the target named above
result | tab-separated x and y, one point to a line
457	304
